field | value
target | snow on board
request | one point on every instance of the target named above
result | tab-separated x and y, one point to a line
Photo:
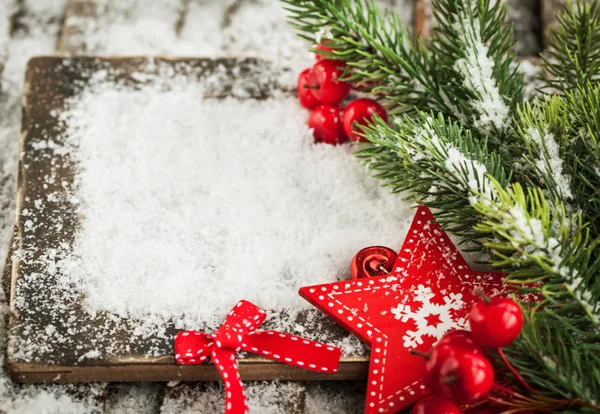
54	327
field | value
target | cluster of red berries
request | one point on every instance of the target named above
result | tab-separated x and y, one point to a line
457	368
320	89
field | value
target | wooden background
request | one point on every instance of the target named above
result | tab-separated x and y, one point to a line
64	31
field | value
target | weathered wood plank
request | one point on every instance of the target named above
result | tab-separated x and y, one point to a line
6	11
207	398
139	398
35	356
524	16
550	10
130	27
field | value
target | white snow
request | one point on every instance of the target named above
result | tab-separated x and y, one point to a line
470	173
272	397
550	161
476	68
192	205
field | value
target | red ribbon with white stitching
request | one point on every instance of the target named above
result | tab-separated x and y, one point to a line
239	332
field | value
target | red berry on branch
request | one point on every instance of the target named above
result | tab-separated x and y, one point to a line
324	83
435	404
495	322
462	339
321	46
305	96
451	344
466	377
361	112
326	122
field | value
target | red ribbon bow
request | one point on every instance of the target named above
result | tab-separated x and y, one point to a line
239	332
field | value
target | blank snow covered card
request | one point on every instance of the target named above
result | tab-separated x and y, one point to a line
154	194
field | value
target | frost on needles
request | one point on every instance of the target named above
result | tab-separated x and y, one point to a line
516	180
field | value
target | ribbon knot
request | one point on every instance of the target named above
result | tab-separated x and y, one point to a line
237	333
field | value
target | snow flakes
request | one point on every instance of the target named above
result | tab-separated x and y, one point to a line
430	318
477	70
550	161
472	173
247	210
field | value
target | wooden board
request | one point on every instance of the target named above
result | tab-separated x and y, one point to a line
86	17
35	356
523	15
206	398
5	14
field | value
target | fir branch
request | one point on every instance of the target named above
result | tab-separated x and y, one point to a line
573	58
474	47
378	50
519	180
540	127
438	163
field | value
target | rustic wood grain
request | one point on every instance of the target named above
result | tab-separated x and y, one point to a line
207	398
523	15
50	81
5	31
85	17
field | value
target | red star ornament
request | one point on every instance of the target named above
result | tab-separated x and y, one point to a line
428	292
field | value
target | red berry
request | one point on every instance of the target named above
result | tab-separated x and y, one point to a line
324	84
361	112
435	404
466	377
326	122
495	322
450	345
305	96
321	46
462	339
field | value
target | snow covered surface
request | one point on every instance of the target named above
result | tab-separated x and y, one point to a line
188	205
271	397
191	205
37	33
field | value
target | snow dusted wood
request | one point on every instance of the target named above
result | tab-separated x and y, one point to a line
207	398
54	340
524	16
6	9
122	27
424	19
139	398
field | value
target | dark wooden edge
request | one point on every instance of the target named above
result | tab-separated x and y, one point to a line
135	367
250	370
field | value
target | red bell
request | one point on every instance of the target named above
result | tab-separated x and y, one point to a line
372	261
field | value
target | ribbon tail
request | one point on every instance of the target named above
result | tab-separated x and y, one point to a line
235	395
294	350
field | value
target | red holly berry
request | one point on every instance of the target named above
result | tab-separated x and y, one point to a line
305	96
462	339
321	46
466	377
326	122
495	322
435	404
324	83
438	355
361	112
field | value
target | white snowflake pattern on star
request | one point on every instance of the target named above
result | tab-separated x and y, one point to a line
423	294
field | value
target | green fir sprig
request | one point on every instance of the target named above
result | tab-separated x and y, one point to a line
517	180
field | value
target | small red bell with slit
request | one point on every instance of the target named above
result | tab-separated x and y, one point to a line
305	95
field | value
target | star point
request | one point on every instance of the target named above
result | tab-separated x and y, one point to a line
429	292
